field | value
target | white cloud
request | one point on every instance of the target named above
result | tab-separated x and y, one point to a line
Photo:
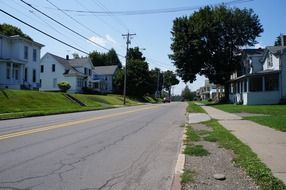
103	41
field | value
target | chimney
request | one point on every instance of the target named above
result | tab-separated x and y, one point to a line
283	40
67	57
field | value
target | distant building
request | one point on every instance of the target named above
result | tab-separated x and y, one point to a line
19	63
102	78
210	91
261	78
54	69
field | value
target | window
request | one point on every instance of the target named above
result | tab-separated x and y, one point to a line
8	71
95	85
269	61
85	71
53	67
34	55
40	82
271	82
42	68
255	84
34	75
26	54
26	74
54	83
89	71
79	82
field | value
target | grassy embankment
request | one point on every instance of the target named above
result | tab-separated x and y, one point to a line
244	156
25	103
275	115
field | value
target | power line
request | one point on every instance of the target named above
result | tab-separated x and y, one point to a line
77	33
44	32
86	27
151	11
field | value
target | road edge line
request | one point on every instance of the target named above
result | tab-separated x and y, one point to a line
180	164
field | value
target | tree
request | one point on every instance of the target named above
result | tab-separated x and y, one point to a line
105	59
64	86
187	94
75	55
140	80
135	54
278	41
209	41
10	30
170	79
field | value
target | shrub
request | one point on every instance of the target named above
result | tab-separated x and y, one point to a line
64	86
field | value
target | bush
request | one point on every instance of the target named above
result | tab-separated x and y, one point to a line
64	86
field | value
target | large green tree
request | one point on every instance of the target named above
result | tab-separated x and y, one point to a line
170	79
187	94
209	42
105	59
10	30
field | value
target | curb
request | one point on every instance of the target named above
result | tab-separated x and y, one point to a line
179	169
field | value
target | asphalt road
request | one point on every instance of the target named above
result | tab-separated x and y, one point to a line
123	148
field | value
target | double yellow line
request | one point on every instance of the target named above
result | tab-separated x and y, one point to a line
67	124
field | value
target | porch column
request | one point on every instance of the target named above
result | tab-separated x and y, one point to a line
247	84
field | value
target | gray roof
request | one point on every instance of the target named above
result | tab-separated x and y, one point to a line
79	62
105	70
66	63
258	51
276	49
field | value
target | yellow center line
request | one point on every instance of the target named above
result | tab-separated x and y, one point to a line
71	123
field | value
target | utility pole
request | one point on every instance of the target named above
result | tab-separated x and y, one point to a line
128	35
158	80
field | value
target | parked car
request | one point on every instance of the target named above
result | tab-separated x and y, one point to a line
166	100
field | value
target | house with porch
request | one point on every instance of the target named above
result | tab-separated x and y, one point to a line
19	63
210	91
262	77
102	78
54	69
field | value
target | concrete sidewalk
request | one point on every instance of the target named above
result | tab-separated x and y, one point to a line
269	144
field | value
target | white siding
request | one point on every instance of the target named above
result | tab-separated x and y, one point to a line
48	76
13	48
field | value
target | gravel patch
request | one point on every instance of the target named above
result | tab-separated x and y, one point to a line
220	161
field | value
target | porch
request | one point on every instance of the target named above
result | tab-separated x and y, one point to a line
258	88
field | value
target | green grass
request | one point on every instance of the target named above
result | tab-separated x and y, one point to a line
276	114
191	135
187	176
246	158
193	108
196	150
25	103
191	149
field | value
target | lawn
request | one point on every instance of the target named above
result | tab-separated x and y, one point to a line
194	108
275	114
24	103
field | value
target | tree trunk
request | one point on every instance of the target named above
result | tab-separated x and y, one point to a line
226	92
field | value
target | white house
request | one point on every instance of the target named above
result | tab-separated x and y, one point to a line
263	77
210	91
19	63
102	78
55	69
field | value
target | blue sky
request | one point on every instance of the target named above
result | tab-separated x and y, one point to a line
152	31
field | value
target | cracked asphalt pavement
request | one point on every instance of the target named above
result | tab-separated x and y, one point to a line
137	149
